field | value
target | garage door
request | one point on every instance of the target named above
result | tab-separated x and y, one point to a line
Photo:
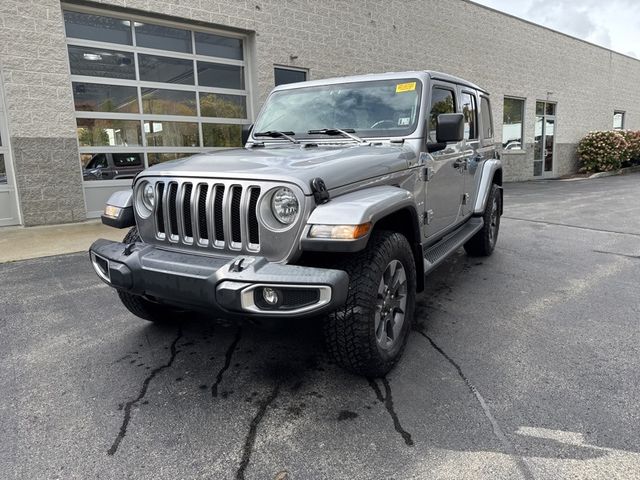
148	91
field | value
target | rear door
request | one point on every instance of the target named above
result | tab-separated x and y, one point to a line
446	176
469	108
480	146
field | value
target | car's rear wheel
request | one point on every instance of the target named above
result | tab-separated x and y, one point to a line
484	242
141	306
368	334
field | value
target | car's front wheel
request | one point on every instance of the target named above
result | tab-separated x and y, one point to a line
368	334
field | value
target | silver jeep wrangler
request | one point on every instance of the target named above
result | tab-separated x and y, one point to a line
347	193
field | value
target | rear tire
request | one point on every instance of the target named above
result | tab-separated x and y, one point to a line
484	242
368	334
142	307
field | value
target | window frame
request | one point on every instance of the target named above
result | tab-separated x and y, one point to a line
466	91
491	127
522	148
293	69
141	117
450	87
623	113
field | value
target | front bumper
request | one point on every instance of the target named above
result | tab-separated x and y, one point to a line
220	284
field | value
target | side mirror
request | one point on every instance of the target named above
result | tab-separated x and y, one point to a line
246	133
450	127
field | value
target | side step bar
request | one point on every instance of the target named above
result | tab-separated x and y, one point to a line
435	254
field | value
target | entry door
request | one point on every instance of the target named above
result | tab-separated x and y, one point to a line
544	142
446	167
8	198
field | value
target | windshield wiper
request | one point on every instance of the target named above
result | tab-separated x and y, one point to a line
277	134
345	132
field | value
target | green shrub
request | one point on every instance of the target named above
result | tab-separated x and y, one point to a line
603	151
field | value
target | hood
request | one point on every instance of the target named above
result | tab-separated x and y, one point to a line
336	165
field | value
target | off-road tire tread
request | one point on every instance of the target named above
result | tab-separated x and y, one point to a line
348	330
480	244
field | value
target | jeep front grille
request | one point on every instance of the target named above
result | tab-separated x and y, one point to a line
208	214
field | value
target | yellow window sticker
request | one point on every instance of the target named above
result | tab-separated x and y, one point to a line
405	87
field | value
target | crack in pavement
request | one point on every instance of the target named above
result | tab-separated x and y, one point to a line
387	400
497	431
143	391
637	257
558	224
250	440
227	361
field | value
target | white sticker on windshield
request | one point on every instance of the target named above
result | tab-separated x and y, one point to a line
404	121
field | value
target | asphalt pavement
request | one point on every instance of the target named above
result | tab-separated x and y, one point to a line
525	364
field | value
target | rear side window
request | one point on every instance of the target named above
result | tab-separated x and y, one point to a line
470	112
487	120
127	159
442	101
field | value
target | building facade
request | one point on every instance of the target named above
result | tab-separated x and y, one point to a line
91	92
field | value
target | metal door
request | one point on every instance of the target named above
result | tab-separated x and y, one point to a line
544	141
9	212
445	168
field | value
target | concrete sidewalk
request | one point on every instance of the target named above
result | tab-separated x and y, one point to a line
20	243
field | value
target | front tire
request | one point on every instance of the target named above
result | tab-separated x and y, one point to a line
368	334
140	306
484	242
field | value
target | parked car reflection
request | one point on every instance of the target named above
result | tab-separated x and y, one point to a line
113	166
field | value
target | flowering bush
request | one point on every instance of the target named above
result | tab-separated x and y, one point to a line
632	155
603	151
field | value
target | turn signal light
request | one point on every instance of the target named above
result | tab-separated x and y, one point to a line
340	232
112	211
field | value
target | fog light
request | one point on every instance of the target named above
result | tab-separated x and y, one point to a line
270	296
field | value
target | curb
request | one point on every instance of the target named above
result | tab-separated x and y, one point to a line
622	171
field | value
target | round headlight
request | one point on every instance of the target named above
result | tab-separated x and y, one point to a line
284	206
148	196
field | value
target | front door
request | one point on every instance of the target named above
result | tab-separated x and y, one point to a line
544	142
8	198
446	167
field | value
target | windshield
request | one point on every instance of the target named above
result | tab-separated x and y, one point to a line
383	108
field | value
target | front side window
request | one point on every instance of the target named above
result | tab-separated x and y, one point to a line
470	111
512	123
442	101
618	120
98	161
372	109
